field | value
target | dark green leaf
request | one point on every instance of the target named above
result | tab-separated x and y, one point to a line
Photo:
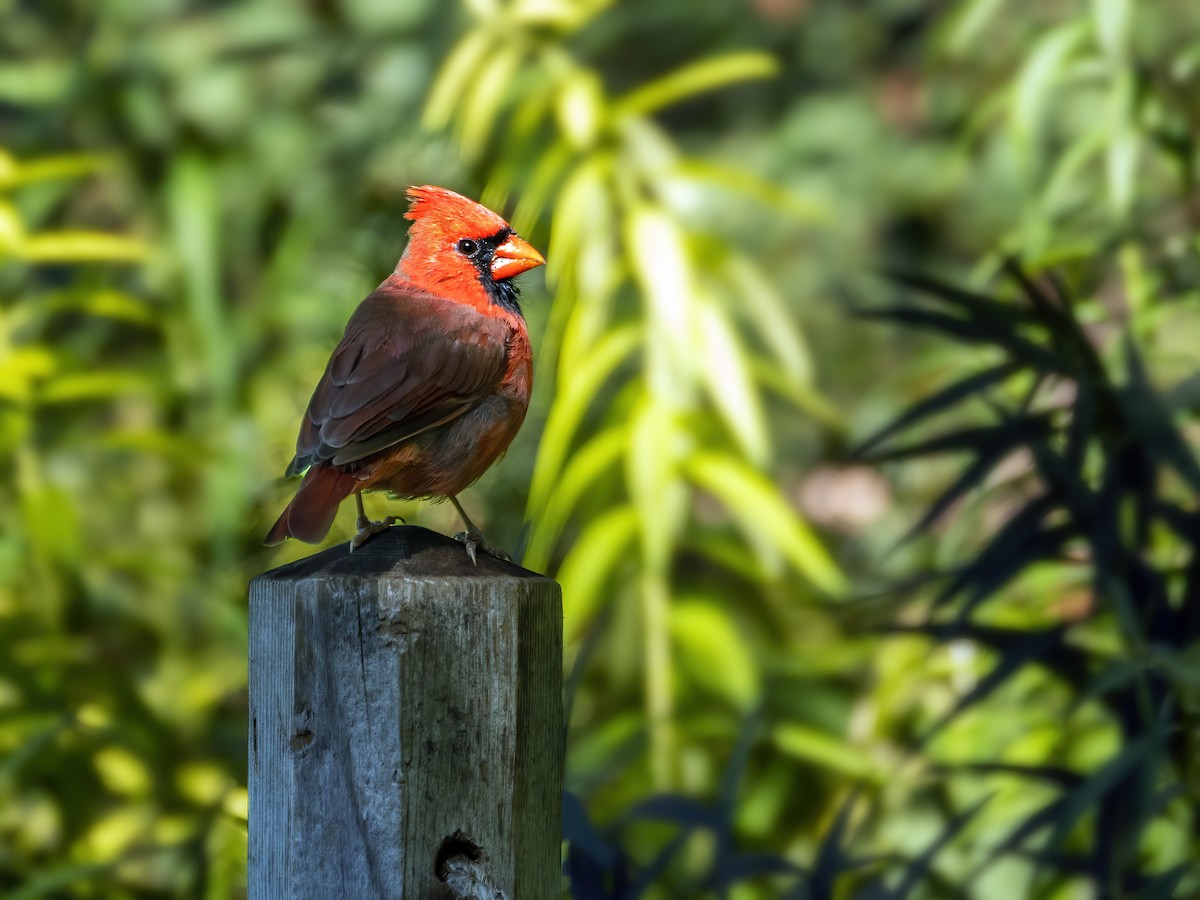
980	306
831	860
1151	424
1013	547
1022	349
1163	885
981	439
938	402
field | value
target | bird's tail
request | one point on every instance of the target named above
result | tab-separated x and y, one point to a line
310	514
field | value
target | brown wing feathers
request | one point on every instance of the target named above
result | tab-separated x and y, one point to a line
407	362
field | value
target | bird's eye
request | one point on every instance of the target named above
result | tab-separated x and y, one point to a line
467	247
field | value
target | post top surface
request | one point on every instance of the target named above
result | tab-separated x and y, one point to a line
400	551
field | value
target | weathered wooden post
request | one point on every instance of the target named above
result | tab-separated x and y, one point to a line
405	726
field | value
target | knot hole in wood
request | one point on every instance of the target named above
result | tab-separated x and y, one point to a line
459	866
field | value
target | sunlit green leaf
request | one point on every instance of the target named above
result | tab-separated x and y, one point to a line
764	515
21	367
80	246
580	108
34	82
746	185
455	76
598	551
726	373
1122	161
821	749
51	168
665	275
577	396
1042	69
482	104
12	230
76	386
713	652
697	78
772	319
656	444
599	454
969	22
1113	19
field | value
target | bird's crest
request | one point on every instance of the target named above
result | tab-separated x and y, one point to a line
438	205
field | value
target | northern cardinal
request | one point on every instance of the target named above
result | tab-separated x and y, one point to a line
430	381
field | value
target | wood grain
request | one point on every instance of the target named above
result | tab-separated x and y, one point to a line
405	725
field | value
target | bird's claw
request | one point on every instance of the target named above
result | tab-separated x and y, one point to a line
473	542
366	528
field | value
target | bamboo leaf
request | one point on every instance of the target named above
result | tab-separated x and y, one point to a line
983	439
601	453
773	322
481	105
1065	811
697	78
727	378
978	306
1113	19
665	275
580	109
80	246
1044	66
457	71
1150	422
713	653
651	472
939	402
1007	438
575	398
594	558
825	750
976	332
76	386
764	515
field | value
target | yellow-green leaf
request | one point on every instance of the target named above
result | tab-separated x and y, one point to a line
697	78
592	561
664	274
726	375
456	73
586	465
713	652
81	246
576	396
764	515
811	745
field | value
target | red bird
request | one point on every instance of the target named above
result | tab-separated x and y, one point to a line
430	381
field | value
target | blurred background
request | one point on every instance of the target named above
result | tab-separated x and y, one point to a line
959	661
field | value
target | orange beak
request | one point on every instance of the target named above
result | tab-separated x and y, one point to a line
513	257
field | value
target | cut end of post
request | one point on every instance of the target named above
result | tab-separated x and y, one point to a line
402	551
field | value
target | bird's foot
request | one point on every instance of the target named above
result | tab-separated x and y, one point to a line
473	542
366	528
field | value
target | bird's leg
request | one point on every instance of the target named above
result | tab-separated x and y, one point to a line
472	538
365	526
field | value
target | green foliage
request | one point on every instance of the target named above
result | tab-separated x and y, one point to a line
193	196
1093	485
117	731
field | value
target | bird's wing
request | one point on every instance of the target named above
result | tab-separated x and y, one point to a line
408	362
